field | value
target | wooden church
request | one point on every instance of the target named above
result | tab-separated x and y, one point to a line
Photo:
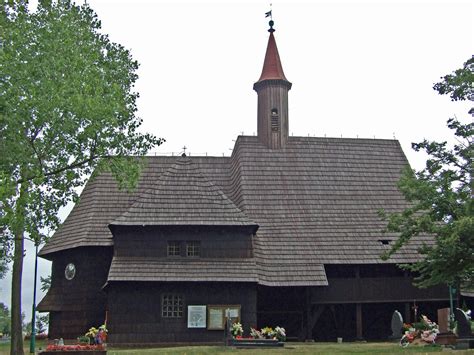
283	232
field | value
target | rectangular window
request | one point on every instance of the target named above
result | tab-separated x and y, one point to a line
174	248
193	248
172	306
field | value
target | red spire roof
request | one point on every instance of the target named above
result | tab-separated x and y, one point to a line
272	68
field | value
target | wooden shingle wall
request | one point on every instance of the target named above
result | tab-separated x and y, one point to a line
216	242
80	303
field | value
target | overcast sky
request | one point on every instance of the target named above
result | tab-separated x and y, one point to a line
359	69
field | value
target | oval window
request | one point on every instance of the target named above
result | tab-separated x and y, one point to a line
70	271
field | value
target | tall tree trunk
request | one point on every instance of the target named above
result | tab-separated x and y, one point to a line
16	325
17	331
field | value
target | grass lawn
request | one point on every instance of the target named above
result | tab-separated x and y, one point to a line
5	346
290	349
296	348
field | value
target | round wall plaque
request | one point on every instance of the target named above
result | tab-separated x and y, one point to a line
70	271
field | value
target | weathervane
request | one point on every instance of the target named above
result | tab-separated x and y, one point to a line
184	151
271	23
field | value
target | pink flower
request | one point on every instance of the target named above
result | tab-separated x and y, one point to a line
428	336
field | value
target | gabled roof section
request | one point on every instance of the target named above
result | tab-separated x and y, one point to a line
272	69
184	196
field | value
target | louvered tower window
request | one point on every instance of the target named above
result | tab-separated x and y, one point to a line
275	120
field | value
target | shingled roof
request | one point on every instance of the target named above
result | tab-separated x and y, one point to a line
316	202
318	199
183	196
101	202
272	68
52	301
184	269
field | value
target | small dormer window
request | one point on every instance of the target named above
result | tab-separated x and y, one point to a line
384	241
275	120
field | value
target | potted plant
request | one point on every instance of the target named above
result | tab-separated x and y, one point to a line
236	330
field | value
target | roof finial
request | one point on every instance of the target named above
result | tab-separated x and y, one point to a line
270	23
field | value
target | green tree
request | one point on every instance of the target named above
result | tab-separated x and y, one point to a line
45	283
441	198
3	258
67	108
42	323
5	325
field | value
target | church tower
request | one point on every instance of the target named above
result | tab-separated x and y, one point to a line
272	90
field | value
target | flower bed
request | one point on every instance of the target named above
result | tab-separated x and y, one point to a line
77	349
92	343
75	352
278	333
266	337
